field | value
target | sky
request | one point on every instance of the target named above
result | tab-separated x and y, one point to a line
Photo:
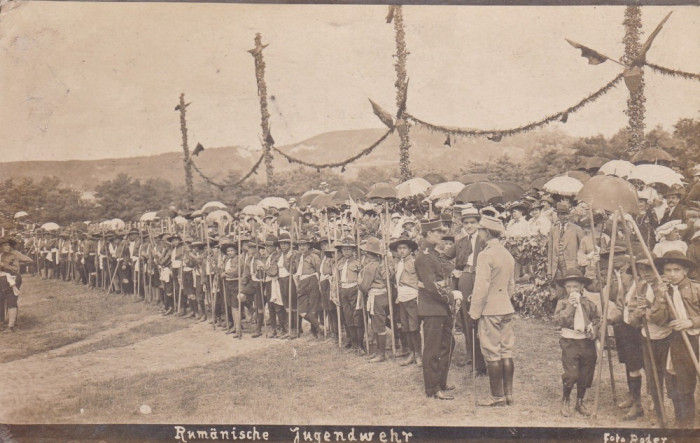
101	80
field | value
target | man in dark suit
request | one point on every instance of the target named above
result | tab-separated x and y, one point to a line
434	309
562	248
675	210
466	251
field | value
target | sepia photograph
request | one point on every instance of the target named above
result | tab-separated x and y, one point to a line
349	222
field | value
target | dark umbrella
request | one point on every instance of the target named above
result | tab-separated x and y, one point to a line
539	183
381	190
479	192
472	178
609	193
288	216
306	200
592	162
345	194
247	201
652	155
79	226
511	191
322	201
165	213
435	178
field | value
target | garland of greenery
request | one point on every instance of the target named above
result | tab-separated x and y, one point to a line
253	170
673	72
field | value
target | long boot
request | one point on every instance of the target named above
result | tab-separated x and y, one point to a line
360	341
372	351
405	348
381	349
417	347
636	390
497	398
193	308
273	320
350	344
508	369
11	319
258	325
315	325
629	401
580	406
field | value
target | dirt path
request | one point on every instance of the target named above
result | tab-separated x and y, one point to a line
46	376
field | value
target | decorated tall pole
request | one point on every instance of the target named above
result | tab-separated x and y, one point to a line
634	77
267	140
186	150
401	84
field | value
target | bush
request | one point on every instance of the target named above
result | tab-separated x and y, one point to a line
532	299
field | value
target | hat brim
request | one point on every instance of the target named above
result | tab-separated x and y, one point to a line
346	245
661	262
583	280
403	241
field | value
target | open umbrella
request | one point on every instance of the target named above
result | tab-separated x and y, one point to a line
473	178
563	185
413	187
434	178
79	226
511	191
50	226
322	201
343	196
117	223
273	202
20	214
148	216
446	189
254	210
578	175
199	213
656	174
165	213
592	162
287	217
479	192
218	216
245	201
214	204
652	155
381	190
538	183
620	168
609	192
308	197
180	220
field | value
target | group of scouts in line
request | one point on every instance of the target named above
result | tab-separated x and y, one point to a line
431	275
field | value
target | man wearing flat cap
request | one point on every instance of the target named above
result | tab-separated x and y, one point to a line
491	306
684	293
435	304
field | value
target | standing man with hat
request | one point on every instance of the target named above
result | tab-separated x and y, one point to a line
306	268
273	289
562	248
675	210
232	265
435	304
284	266
491	306
10	262
466	252
407	297
681	377
578	318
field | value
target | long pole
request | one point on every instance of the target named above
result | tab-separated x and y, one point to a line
335	287
267	140
647	339
186	150
385	234
606	301
289	292
602	303
239	326
360	297
669	302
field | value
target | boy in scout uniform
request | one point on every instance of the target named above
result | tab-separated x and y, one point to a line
372	282
347	270
407	297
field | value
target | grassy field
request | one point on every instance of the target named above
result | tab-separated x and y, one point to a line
208	377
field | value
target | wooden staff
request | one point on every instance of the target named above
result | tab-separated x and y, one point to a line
359	293
291	276
385	233
647	339
669	301
602	303
606	298
239	326
334	287
289	293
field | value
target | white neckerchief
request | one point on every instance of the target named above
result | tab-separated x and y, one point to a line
399	271
344	271
579	321
628	298
301	265
282	271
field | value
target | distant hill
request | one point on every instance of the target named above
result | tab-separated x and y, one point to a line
428	153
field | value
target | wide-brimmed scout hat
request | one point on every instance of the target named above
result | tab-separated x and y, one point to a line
432	225
575	275
9	240
677	257
347	242
403	240
271	240
373	246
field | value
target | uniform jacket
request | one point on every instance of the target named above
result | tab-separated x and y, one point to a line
372	275
429	271
572	238
462	249
690	292
494	284
10	261
352	272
